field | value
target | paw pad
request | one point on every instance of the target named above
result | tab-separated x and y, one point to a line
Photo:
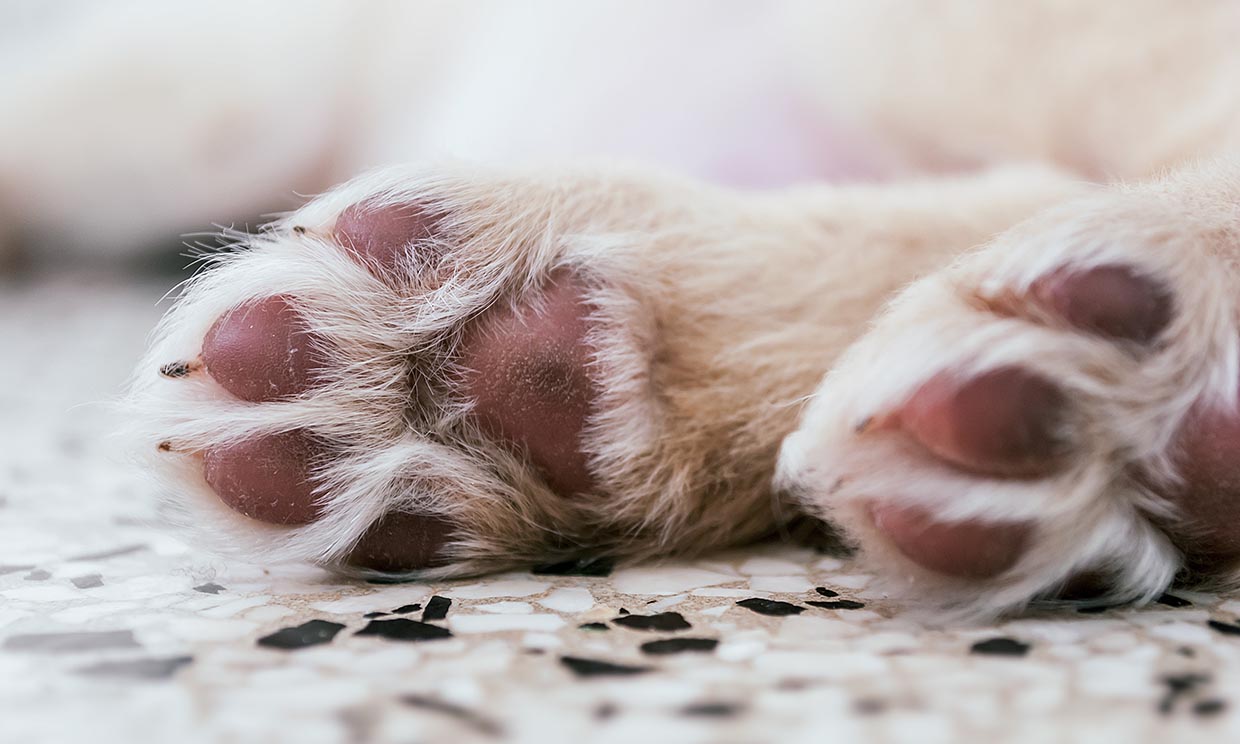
969	549
260	351
528	372
381	236
1006	422
266	478
1110	301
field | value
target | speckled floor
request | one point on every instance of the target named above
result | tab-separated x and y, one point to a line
112	630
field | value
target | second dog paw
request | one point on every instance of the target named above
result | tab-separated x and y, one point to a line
1050	417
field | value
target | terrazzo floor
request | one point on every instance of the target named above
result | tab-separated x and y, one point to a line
112	630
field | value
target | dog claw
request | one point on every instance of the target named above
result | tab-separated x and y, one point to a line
176	370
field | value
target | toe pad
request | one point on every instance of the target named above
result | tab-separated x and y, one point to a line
260	351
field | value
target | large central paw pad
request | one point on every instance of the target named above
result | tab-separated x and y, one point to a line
528	373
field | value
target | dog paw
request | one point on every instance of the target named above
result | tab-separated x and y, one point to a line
446	374
1052	417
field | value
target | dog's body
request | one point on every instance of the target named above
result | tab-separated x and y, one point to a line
243	106
512	366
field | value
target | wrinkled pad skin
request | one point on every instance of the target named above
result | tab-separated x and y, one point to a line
266	478
1207	527
401	542
260	351
528	373
1003	423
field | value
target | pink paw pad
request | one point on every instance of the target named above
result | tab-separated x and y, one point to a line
968	550
1110	301
401	541
527	370
266	478
1206	528
1009	422
1005	423
260	351
380	237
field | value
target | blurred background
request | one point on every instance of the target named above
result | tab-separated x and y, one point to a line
129	124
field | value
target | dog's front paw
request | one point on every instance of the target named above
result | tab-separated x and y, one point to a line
450	372
1054	416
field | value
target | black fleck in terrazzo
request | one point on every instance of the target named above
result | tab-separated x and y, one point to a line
663	621
209	588
668	646
771	607
597	668
1180	687
579	567
56	643
411	608
1230	629
1171	600
1000	647
89	581
152	669
436	608
472	719
404	629
312	633
836	604
110	553
1209	708
712	710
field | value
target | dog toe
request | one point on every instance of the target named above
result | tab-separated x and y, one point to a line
260	351
266	478
1006	422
